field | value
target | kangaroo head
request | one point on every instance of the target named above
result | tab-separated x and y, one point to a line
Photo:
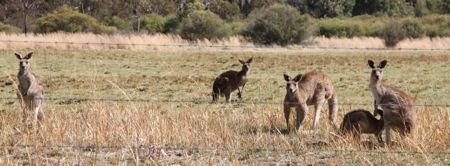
24	61
246	64
377	72
292	84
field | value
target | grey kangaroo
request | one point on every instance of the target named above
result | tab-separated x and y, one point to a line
399	111
30	94
312	88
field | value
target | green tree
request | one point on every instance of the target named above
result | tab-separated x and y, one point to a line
278	24
225	10
202	24
68	20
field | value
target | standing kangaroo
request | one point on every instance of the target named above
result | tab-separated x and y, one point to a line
398	107
361	121
229	81
313	88
30	94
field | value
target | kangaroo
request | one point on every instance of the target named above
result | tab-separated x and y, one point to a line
399	111
30	93
229	81
362	121
312	88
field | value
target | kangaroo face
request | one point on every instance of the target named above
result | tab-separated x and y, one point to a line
246	64
377	72
291	84
24	63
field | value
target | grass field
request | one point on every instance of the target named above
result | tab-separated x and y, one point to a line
169	119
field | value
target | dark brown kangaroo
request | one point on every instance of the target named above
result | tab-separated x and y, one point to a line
230	81
399	111
361	121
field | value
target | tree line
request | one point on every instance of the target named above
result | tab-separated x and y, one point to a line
215	19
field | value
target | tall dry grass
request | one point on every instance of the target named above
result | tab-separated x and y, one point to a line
174	42
113	133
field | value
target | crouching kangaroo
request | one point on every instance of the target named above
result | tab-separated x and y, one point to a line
399	111
361	121
230	81
30	93
312	88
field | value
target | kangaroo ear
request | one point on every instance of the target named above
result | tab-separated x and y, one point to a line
371	64
382	64
28	55
286	77
298	77
250	60
241	61
18	56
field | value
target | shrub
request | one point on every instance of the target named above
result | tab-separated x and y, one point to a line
120	23
171	24
412	28
279	24
204	25
68	20
8	28
225	10
334	28
153	23
237	27
436	25
392	33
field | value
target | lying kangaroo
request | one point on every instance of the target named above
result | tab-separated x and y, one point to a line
229	81
310	88
362	121
399	111
30	93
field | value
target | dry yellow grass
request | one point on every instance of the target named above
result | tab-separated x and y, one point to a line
174	42
88	132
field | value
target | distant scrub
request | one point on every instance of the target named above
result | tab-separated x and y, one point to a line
392	33
413	28
358	26
120	23
278	24
8	28
204	25
68	20
153	23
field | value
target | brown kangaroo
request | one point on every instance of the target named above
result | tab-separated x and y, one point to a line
399	111
231	80
312	88
362	121
30	93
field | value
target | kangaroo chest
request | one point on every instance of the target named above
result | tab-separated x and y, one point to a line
24	83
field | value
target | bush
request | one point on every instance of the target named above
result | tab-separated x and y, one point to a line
120	24
279	24
153	23
225	10
171	24
333	28
436	25
204	25
68	20
392	33
8	28
237	27
412	28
